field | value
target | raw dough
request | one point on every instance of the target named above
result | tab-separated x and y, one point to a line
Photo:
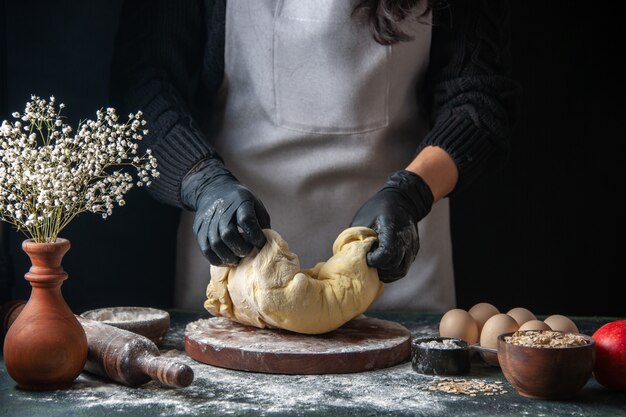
267	289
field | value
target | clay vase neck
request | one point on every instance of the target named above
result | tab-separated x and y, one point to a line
46	347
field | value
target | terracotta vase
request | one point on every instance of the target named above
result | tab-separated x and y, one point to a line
46	347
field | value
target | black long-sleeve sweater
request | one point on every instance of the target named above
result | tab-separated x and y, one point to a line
169	63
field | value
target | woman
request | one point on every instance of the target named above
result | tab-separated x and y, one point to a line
323	115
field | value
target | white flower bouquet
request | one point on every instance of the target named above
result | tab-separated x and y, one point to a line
49	174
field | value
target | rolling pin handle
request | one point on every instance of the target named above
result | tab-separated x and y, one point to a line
8	314
168	372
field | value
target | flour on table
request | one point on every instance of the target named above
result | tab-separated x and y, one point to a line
217	391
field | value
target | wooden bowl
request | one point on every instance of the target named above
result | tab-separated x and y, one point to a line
146	321
546	373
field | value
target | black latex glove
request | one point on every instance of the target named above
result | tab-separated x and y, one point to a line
393	213
229	219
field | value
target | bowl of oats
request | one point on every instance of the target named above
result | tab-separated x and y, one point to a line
546	364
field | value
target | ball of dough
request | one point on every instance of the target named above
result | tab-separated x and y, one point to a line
268	289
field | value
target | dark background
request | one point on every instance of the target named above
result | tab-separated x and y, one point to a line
545	233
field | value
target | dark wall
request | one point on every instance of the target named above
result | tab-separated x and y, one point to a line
544	233
64	48
6	274
547	232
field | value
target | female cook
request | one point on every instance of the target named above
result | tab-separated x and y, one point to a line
322	114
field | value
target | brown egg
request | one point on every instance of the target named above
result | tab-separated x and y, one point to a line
459	324
561	323
521	315
534	325
481	312
494	327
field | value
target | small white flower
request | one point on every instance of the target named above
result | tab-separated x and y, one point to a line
70	174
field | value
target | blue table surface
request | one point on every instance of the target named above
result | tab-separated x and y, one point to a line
393	391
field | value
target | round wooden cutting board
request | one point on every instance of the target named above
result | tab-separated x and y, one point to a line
359	345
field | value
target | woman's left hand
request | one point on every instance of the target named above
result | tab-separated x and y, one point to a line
393	212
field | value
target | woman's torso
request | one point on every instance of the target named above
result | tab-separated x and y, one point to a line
315	115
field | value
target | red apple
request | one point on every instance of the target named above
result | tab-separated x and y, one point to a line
610	367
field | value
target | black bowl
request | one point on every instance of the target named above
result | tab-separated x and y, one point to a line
438	361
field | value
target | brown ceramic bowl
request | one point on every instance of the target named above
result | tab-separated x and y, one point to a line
546	373
146	321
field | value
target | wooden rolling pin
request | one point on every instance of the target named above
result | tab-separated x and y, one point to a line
122	356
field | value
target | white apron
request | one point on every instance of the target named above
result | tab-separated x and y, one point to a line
316	115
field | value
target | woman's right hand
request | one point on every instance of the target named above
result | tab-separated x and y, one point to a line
229	219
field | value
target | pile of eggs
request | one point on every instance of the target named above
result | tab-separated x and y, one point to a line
483	323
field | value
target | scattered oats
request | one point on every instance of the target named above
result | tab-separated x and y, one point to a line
464	386
546	339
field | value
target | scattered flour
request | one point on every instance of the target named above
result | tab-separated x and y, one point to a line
124	314
227	334
217	391
396	391
227	392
